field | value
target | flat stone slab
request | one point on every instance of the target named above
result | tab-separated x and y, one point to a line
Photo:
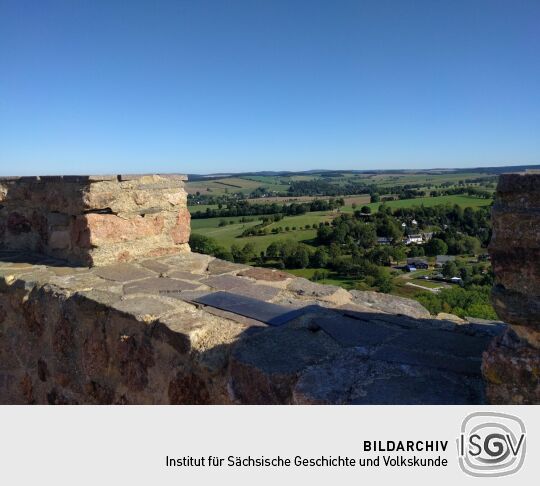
260	370
123	272
349	378
143	308
267	274
156	266
329	293
272	314
430	359
218	267
189	262
451	343
390	304
242	286
351	332
180	274
159	285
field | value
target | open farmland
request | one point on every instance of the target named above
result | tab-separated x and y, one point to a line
460	200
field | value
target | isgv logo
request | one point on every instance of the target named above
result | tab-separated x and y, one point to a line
491	444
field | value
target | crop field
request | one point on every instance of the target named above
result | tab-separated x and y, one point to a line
230	185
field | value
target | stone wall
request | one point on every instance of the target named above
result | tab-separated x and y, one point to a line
511	367
95	220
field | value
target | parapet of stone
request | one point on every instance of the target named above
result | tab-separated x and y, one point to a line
95	220
512	365
192	329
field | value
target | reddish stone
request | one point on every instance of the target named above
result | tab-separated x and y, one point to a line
95	229
180	232
17	224
123	256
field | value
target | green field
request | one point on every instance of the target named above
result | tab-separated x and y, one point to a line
230	234
463	201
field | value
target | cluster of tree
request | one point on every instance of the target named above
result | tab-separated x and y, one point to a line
468	190
477	274
211	199
473	301
469	221
320	187
244	208
291	254
354	231
243	219
209	246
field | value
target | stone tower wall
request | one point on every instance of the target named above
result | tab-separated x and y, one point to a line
511	366
95	220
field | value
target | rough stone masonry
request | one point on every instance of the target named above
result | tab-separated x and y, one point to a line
95	220
512	365
141	319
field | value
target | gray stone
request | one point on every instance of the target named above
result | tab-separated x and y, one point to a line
156	266
242	286
123	272
431	359
159	285
262	373
352	332
143	308
350	378
330	293
218	267
390	303
189	262
180	274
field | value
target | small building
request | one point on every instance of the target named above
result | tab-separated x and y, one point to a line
418	263
384	240
440	260
456	280
414	240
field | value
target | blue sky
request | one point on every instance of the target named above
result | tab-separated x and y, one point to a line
217	86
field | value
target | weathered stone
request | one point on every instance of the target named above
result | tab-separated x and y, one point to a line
59	240
189	262
160	286
218	267
261	373
123	272
352	332
444	316
511	367
108	219
155	266
181	230
329	293
390	303
511	364
181	275
350	378
241	286
143	308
